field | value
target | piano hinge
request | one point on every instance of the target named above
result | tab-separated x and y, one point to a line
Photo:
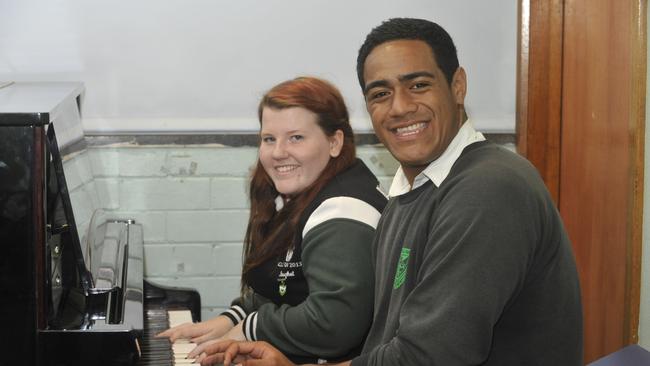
58	229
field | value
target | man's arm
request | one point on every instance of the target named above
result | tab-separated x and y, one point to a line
475	260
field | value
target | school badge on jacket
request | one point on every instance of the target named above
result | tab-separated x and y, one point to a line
402	267
284	275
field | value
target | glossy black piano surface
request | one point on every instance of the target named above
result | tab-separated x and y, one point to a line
64	302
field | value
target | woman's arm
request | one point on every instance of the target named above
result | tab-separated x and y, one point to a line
337	313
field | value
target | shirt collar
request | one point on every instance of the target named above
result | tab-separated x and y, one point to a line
438	169
279	203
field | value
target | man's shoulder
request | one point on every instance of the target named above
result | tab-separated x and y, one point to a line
486	160
486	152
487	169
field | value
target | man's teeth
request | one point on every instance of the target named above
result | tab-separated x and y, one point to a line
286	168
410	129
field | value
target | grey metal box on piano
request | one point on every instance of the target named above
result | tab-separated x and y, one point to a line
64	302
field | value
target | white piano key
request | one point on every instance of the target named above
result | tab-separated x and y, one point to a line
178	317
183	347
181	359
184	361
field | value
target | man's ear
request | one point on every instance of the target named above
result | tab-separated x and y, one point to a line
459	86
336	143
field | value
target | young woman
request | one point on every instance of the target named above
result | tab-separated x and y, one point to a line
307	279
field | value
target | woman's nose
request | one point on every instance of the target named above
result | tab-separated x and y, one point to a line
279	150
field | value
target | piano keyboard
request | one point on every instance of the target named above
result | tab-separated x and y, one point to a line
160	351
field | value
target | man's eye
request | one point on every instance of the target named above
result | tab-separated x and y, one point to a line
419	85
296	138
378	95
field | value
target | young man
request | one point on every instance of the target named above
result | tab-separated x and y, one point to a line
472	263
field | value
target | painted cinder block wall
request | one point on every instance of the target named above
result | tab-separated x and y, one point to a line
191	201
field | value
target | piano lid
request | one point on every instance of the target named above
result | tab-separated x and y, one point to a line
40	103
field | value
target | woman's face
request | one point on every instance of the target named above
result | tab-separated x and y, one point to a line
294	150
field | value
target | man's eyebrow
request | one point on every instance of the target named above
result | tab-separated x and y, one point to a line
401	78
374	84
415	75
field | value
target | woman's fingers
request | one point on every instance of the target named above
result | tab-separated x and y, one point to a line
201	348
185	330
204	338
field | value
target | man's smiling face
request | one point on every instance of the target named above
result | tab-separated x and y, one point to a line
414	110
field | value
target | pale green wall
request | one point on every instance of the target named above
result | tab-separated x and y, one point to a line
192	204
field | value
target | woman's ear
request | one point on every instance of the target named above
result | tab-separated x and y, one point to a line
336	143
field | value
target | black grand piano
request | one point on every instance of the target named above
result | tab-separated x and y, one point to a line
64	302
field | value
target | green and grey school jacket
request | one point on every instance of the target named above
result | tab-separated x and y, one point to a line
315	302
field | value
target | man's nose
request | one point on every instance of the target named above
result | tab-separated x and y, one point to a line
402	103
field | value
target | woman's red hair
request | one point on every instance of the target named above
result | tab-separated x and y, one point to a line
271	233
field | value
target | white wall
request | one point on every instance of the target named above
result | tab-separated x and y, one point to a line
201	65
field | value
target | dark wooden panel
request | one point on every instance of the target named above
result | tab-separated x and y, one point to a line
637	136
601	165
598	140
539	87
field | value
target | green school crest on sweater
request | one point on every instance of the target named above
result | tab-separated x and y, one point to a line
402	266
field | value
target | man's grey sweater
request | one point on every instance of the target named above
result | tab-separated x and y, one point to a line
478	271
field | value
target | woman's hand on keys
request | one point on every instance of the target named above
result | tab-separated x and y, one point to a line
199	332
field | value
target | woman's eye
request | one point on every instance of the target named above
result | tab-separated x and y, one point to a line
296	138
268	140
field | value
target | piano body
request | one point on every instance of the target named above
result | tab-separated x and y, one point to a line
64	302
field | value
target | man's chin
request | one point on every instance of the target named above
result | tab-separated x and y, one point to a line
414	162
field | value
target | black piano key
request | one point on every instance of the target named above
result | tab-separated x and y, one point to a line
155	351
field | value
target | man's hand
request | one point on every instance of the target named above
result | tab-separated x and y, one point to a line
244	353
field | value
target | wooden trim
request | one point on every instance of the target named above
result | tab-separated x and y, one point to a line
223	140
602	164
523	64
581	85
637	141
539	87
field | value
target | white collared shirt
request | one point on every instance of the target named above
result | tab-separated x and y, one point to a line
438	169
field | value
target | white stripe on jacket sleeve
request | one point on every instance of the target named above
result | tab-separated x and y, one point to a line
344	208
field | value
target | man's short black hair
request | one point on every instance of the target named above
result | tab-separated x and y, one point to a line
444	51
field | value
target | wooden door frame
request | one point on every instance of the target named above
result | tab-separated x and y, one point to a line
637	156
539	87
539	122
